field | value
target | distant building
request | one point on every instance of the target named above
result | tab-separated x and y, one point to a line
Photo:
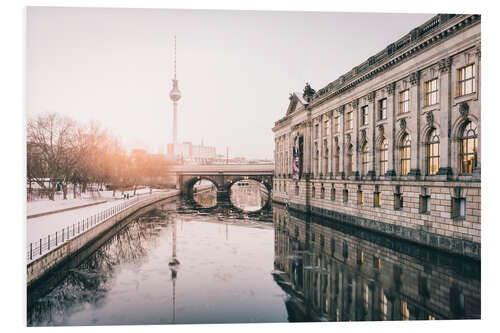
187	152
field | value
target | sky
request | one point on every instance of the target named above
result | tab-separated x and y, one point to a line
235	68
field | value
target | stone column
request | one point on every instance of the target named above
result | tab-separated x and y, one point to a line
370	133
307	148
444	117
330	146
319	141
412	122
342	141
389	132
354	137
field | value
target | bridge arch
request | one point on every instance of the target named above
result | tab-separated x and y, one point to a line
188	184
259	179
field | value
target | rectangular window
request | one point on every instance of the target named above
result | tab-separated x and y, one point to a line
431	92
360	197
348	120
316	131
297	190
337	125
466	80
425	204
377	199
364	115
404	101
398	198
346	196
458	208
382	109
377	264
332	196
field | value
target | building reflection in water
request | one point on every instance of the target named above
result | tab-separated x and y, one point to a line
333	272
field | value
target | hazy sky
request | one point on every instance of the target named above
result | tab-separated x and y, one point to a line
235	68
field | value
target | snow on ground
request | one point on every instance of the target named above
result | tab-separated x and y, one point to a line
46	205
40	227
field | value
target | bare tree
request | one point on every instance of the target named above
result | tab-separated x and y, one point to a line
49	139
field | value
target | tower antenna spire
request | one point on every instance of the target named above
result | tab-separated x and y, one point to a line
175	57
175	95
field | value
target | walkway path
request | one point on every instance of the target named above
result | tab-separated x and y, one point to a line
39	227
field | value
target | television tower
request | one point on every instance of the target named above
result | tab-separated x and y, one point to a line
175	93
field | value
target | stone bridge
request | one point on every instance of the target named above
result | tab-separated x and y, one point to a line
223	176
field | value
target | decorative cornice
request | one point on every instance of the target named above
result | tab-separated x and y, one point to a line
410	45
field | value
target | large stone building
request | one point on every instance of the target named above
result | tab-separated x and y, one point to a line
393	145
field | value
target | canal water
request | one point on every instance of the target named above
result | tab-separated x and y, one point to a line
179	264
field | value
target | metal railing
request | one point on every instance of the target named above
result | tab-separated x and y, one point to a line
52	241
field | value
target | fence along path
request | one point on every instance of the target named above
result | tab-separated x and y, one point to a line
54	240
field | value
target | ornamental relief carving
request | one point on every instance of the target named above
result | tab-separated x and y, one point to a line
390	88
354	104
429	117
414	78
402	124
445	64
371	96
363	135
463	108
380	129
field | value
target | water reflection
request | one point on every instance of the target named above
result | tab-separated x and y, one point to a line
205	193
333	272
175	265
170	266
249	195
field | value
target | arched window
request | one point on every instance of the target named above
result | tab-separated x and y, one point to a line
366	159
432	152
468	148
350	158
383	157
405	155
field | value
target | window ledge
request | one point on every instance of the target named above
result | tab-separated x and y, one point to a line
464	98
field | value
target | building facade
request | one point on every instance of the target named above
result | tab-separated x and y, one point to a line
394	144
188	152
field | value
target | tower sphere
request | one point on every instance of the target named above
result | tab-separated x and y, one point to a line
175	93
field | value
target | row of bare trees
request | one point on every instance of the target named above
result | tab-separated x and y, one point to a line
62	151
